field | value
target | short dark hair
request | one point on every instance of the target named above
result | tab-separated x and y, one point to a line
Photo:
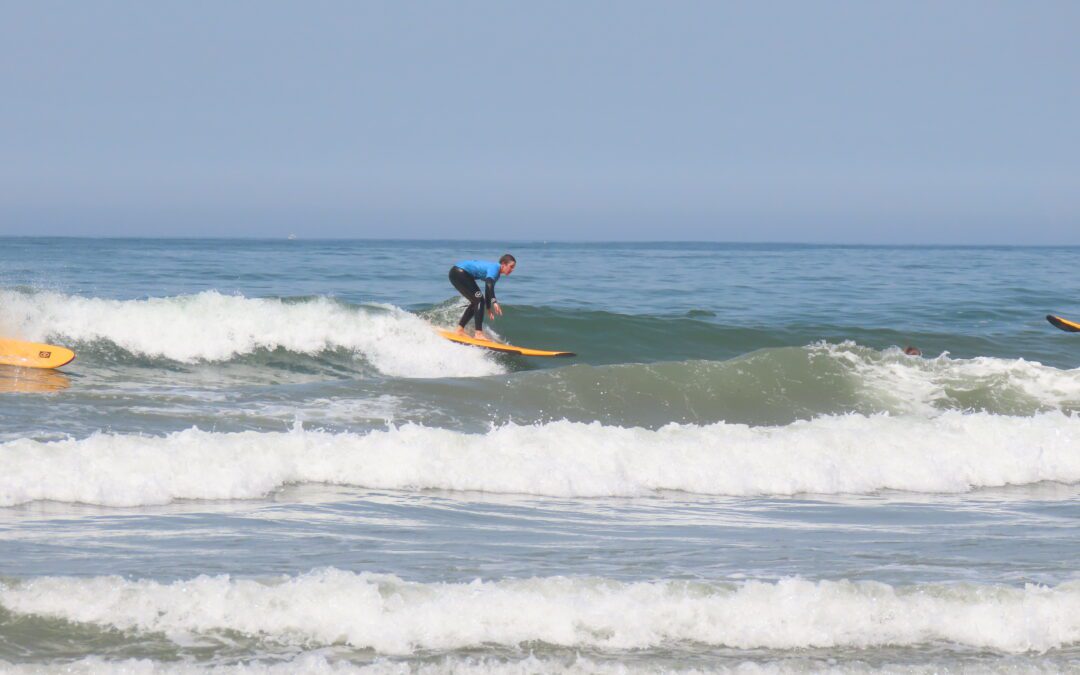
507	259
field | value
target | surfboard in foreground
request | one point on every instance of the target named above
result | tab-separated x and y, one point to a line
498	346
33	354
1063	324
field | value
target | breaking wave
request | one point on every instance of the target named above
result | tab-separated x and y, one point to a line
393	616
949	453
781	385
210	326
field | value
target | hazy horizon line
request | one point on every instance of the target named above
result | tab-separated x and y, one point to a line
729	242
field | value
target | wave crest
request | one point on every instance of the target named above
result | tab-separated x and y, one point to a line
950	453
393	616
210	326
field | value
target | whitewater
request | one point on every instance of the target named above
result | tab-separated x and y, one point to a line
851	454
265	460
213	327
391	616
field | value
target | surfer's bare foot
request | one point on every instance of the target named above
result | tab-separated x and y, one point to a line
460	330
480	335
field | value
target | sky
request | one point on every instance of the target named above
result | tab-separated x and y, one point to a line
824	122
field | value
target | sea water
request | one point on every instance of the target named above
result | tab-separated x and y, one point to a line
264	460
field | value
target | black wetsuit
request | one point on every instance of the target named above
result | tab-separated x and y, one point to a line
464	282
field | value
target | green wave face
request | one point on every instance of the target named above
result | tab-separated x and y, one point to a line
601	337
767	387
779	386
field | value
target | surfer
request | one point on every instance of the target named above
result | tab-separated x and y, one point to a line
464	276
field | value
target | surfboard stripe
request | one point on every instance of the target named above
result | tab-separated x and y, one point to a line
33	354
1063	324
498	346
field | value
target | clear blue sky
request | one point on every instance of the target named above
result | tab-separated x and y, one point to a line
862	122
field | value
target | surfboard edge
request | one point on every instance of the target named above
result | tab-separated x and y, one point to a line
502	348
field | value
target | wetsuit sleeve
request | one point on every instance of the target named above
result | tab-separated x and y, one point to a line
489	292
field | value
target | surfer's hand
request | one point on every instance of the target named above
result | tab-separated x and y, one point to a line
496	308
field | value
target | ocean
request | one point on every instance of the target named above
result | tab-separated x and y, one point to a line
264	460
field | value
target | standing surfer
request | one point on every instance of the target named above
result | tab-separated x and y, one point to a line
464	276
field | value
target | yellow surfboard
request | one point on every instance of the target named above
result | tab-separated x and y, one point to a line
33	354
1063	324
498	346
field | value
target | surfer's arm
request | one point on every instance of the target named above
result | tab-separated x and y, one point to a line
492	302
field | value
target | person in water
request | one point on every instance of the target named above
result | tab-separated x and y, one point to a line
464	276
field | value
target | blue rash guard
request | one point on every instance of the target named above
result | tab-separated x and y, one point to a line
463	276
481	269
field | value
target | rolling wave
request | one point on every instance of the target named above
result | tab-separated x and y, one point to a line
602	337
212	327
321	338
393	616
950	453
781	385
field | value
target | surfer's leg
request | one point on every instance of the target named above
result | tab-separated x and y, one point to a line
466	285
478	313
465	318
474	311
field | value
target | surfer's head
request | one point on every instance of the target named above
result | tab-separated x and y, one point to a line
507	263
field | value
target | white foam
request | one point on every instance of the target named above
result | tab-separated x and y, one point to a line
210	326
393	616
950	453
926	385
318	664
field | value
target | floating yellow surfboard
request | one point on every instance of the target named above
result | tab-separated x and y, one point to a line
498	346
33	354
1063	324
